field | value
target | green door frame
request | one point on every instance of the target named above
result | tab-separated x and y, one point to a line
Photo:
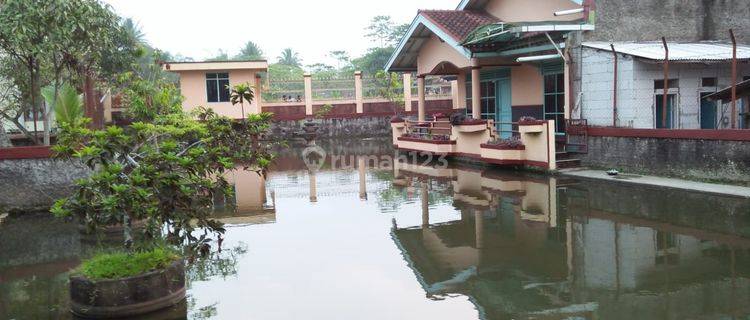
502	114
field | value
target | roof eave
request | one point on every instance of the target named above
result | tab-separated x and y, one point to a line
427	23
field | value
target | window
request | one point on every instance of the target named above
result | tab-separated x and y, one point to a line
708	82
487	99
554	100
217	87
673	83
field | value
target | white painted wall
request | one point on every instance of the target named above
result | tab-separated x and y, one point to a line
635	94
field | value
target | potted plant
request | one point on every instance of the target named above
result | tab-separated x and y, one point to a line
164	169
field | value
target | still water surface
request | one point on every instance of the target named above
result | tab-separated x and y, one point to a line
419	242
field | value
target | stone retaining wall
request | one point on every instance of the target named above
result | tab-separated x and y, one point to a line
34	184
702	159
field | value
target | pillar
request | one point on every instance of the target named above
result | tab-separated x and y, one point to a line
407	92
425	205
313	187
258	94
420	97
362	178
358	91
479	228
476	93
308	94
568	91
460	92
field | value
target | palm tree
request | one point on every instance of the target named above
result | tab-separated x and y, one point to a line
134	31
251	51
289	57
241	93
68	104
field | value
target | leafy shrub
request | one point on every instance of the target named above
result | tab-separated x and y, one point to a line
122	265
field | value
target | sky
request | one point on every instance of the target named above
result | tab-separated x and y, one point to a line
199	28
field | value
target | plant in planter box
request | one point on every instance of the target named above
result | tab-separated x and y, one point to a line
507	143
527	120
164	171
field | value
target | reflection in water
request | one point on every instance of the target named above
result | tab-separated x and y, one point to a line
419	242
535	246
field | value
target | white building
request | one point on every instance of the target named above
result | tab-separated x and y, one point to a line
695	70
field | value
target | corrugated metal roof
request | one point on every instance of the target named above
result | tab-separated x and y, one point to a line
681	52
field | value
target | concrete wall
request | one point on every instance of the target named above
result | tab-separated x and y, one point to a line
434	52
678	20
635	89
34	184
520	10
193	88
526	84
360	127
696	159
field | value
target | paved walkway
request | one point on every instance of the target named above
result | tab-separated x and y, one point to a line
714	188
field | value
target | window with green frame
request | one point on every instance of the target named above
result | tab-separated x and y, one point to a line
488	99
554	100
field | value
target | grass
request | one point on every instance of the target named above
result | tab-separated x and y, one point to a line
121	265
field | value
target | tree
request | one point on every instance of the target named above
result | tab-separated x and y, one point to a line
133	29
374	60
391	88
241	93
341	56
397	33
220	56
43	40
380	30
251	51
290	58
165	172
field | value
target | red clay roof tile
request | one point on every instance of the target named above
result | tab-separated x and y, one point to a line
458	23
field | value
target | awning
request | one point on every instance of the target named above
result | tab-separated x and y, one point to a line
678	52
743	89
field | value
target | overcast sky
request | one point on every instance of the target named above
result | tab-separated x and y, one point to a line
199	28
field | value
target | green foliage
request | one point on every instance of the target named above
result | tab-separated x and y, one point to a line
323	111
289	58
374	60
391	88
166	168
122	265
68	104
282	71
251	51
240	93
148	98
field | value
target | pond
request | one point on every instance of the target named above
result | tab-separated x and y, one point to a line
423	241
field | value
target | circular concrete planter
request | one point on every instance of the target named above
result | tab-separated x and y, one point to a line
127	297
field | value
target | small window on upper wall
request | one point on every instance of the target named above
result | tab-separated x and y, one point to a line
708	82
673	83
217	87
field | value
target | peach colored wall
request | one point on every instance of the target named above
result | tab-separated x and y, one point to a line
193	87
250	189
526	86
539	141
522	10
433	52
468	142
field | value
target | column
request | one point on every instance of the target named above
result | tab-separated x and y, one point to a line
420	95
358	91
460	93
258	94
479	228
425	206
313	186
407	92
308	94
362	178
476	93
568	91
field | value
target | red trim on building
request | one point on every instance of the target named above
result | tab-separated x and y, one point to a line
427	141
500	147
33	152
694	134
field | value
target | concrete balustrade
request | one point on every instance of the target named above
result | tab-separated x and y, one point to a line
472	139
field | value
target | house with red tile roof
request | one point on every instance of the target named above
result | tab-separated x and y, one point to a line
506	56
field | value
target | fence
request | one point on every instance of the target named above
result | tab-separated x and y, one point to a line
350	95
